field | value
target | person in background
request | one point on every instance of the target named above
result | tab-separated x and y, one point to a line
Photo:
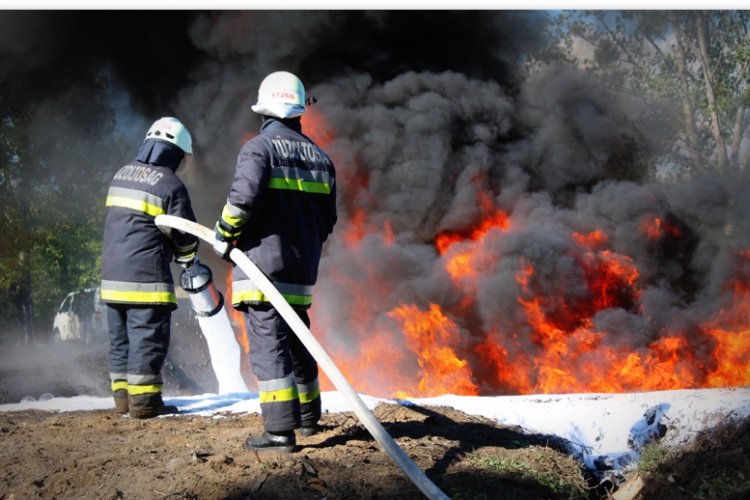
23	301
83	307
280	209
137	283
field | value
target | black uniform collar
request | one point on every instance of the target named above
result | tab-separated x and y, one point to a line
162	153
271	123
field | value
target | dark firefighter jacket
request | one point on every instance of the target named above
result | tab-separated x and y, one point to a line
282	206
136	254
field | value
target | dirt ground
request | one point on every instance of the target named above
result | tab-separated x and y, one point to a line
101	455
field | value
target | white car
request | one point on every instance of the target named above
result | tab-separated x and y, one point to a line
68	325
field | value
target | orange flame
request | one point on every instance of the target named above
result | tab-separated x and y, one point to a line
429	335
246	136
551	341
315	126
236	317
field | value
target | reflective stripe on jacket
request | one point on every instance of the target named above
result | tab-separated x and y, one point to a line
246	291
136	255
281	207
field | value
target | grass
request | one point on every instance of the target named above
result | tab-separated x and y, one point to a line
653	455
715	466
560	475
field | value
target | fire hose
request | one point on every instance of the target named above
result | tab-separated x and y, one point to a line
398	455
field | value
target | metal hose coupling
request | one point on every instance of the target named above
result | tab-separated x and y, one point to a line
197	281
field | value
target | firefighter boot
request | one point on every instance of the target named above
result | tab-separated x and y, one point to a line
121	401
149	406
276	441
308	430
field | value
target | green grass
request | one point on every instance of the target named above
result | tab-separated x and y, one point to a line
653	455
541	468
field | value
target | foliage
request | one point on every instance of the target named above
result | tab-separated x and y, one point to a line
687	71
653	455
57	154
560	476
715	465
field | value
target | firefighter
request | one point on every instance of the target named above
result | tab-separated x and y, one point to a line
22	299
280	209
83	308
137	283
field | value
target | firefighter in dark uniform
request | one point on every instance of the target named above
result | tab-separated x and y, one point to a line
280	209
21	297
137	282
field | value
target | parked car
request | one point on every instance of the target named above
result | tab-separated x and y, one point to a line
77	307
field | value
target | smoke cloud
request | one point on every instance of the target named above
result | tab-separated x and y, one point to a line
435	130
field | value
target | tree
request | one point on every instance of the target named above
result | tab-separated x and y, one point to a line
689	68
58	151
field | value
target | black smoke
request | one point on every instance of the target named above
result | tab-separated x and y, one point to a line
438	125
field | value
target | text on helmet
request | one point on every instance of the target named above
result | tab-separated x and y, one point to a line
283	95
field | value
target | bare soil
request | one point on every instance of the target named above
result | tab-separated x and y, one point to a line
101	455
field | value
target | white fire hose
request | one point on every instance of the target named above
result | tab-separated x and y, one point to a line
311	343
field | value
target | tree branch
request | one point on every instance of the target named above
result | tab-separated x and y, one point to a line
624	49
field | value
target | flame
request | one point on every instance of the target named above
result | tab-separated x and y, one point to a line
656	228
315	126
592	240
430	335
236	317
392	338
246	136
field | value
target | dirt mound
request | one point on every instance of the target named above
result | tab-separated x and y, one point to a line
716	466
100	455
97	454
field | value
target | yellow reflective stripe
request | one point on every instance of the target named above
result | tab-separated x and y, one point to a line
299	185
227	234
258	296
120	385
147	297
136	390
289	394
139	205
186	257
230	219
307	397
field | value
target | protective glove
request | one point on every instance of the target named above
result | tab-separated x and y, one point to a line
222	245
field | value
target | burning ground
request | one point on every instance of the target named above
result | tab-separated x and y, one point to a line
478	262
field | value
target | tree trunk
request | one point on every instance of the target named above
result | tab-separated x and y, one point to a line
687	106
737	135
705	60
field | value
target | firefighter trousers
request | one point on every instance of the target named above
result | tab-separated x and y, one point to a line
138	343
287	373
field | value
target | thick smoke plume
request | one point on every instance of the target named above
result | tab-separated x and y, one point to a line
497	233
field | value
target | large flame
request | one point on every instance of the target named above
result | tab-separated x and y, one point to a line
390	340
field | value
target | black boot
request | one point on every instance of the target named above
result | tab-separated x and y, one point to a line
149	406
308	430
121	401
286	443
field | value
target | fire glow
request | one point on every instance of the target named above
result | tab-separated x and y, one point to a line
389	346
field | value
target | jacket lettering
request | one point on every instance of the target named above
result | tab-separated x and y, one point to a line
137	173
297	150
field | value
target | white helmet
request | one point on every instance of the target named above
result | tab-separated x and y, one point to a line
281	94
171	130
